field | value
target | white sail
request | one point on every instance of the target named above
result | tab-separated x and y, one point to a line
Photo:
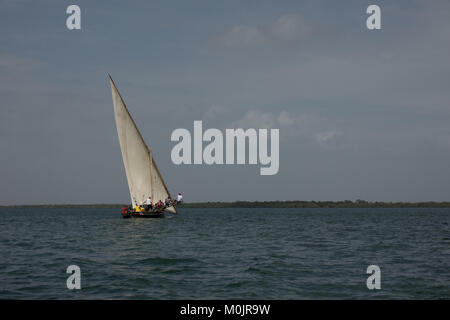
138	160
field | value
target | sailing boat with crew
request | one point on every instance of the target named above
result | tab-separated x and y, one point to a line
150	197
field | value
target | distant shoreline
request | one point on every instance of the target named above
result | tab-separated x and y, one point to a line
265	204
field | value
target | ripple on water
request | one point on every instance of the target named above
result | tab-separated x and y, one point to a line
225	253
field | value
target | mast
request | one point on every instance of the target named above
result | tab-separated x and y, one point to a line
151	171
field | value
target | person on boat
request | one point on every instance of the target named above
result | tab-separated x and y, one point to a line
148	203
168	202
179	197
135	205
159	205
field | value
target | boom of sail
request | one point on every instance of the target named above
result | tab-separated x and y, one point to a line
143	176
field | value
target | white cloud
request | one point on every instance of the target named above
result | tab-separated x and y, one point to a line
285	119
258	119
327	137
242	36
306	129
213	112
287	28
12	62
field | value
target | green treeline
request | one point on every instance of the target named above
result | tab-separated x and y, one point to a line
315	204
270	204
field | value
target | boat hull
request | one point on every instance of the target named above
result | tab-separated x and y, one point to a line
143	215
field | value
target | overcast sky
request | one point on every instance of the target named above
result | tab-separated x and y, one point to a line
362	114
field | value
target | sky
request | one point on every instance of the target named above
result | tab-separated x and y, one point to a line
362	114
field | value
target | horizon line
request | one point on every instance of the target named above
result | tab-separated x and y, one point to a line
353	202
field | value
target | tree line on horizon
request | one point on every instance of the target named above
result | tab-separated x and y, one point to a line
314	204
272	204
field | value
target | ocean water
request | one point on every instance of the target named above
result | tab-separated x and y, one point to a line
225	254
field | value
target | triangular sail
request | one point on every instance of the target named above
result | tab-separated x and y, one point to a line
140	166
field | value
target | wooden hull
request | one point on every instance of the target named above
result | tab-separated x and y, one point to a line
143	215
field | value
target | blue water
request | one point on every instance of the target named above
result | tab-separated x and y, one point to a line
225	254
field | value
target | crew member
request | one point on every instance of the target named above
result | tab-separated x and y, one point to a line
179	198
160	204
148	203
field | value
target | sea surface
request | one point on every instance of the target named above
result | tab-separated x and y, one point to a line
225	253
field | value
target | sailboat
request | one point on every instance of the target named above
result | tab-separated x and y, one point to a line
143	176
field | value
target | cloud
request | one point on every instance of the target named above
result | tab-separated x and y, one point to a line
213	112
287	28
326	138
285	119
17	63
258	119
310	130
242	36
